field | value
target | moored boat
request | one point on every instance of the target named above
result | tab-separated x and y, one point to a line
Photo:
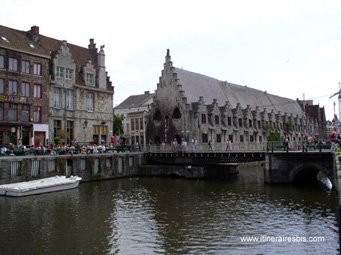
45	185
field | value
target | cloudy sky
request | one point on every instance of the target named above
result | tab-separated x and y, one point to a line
290	48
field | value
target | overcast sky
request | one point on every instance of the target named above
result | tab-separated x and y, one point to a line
290	48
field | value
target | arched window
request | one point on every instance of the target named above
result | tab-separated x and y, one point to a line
176	113
157	115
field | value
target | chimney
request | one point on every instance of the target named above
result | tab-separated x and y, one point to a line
35	33
35	30
146	92
92	44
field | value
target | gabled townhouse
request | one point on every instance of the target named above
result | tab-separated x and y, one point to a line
75	96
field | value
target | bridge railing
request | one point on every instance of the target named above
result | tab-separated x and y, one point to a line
238	147
206	148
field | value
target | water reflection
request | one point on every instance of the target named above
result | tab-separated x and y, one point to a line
170	216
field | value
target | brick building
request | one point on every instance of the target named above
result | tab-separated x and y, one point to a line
64	87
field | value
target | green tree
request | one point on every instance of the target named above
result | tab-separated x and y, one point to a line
118	124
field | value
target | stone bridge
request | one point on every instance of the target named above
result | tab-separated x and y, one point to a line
283	167
279	167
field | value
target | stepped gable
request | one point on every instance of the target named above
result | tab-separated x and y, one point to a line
79	54
32	42
196	85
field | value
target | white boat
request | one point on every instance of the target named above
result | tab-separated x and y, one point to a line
45	185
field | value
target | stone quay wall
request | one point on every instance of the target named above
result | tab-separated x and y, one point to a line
90	167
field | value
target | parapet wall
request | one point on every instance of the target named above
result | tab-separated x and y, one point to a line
88	166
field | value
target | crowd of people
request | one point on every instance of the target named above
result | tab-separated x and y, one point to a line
21	150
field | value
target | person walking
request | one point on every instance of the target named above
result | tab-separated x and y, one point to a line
210	145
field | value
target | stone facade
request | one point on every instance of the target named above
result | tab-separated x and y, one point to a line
135	111
190	106
82	99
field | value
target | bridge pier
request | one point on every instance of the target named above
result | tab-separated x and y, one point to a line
283	167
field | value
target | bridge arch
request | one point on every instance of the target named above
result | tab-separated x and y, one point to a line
307	173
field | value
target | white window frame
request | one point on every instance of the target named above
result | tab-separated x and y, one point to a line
69	99
12	64
25	66
90	78
12	88
37	69
68	74
2	61
37	90
25	89
57	95
90	102
60	72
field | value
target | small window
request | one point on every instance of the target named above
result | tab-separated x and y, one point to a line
12	64
25	66
25	113
241	138
2	61
90	102
12	112
37	91
203	118
157	115
37	114
132	124
216	119
57	94
2	86
69	99
229	121
60	72
12	88
218	138
1	111
204	138
89	78
69	74
240	122
25	89
37	69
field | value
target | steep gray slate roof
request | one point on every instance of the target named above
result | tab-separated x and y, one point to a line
134	101
196	85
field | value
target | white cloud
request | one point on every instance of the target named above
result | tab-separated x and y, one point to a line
285	47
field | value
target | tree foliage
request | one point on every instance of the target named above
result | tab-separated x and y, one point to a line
118	124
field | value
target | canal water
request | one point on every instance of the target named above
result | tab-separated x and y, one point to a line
173	216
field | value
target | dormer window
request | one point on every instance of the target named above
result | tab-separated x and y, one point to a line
60	72
90	79
68	74
4	38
